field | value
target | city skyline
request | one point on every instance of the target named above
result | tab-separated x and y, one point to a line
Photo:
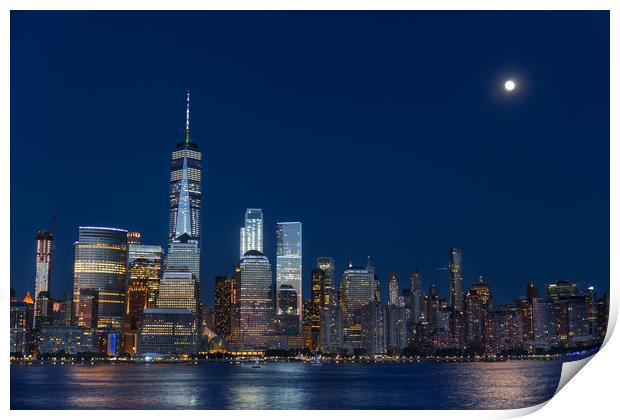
482	230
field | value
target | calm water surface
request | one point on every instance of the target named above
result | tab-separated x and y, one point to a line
286	385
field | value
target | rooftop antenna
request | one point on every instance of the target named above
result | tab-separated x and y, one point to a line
187	120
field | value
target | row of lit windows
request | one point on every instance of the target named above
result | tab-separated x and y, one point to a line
95	266
192	154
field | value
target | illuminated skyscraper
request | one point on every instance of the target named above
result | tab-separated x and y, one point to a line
357	288
288	273
254	300
87	308
168	331
43	271
483	290
223	305
185	187
394	289
328	265
145	262
455	266
251	237
184	255
101	265
179	289
417	297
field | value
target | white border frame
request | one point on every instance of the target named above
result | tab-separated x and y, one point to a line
592	395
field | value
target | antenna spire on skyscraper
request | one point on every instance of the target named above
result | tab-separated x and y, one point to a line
187	120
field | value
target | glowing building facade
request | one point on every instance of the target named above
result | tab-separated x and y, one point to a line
43	272
251	237
288	275
328	265
168	331
254	301
185	188
357	288
101	265
455	266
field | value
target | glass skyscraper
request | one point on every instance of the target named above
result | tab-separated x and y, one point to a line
357	288
145	262
328	265
288	273
251	237
254	301
185	188
43	271
101	265
455	266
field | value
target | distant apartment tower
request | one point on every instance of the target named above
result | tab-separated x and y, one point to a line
394	290
251	237
101	265
289	273
43	272
416	297
455	267
254	301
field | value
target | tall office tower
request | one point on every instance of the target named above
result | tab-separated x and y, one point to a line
483	290
42	309
373	326
288	274
254	300
43	270
87	308
223	305
473	313
417	297
146	272
328	265
357	288
311	325
602	317
317	288
394	289
184	255
179	289
590	296
396	327
101	265
455	266
185	188
251	238
21	326
149	267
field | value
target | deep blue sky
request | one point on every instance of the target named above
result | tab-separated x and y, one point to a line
387	134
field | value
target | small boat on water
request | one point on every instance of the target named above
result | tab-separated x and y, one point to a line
256	365
316	362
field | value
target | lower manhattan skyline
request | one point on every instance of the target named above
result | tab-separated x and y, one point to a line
399	148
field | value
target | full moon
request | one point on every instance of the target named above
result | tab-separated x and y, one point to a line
509	85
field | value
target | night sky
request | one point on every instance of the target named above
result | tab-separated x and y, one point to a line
387	134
